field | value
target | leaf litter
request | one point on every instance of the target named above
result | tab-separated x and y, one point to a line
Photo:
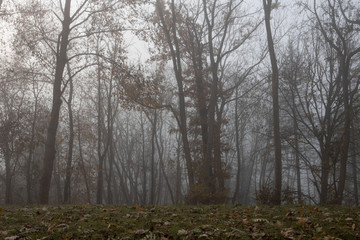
178	222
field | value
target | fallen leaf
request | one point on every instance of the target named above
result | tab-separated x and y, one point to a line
12	238
203	236
260	220
182	232
288	233
140	232
246	222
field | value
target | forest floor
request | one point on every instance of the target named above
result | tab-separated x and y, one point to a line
178	222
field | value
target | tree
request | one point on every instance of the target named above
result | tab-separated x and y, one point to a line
67	184
169	29
339	31
76	24
268	6
61	60
200	39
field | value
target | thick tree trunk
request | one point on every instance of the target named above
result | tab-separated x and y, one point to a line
61	60
275	96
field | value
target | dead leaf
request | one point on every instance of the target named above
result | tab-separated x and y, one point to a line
182	232
288	233
12	238
203	236
246	222
260	220
140	232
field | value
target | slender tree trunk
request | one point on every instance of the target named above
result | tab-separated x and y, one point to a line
110	132
82	164
160	150
218	165
100	177
144	167
67	185
238	141
152	163
275	96
344	68
178	194
31	155
325	168
297	155
50	151
8	177
176	59
355	178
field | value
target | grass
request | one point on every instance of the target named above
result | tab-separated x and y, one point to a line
179	222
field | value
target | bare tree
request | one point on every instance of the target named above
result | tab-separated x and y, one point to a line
268	5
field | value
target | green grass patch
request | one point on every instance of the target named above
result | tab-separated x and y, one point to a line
179	222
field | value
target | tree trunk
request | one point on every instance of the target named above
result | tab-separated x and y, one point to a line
49	156
219	171
275	96
355	178
8	177
344	71
100	176
152	162
297	151
67	185
176	59
178	194
30	157
325	168
238	144
144	167
82	164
